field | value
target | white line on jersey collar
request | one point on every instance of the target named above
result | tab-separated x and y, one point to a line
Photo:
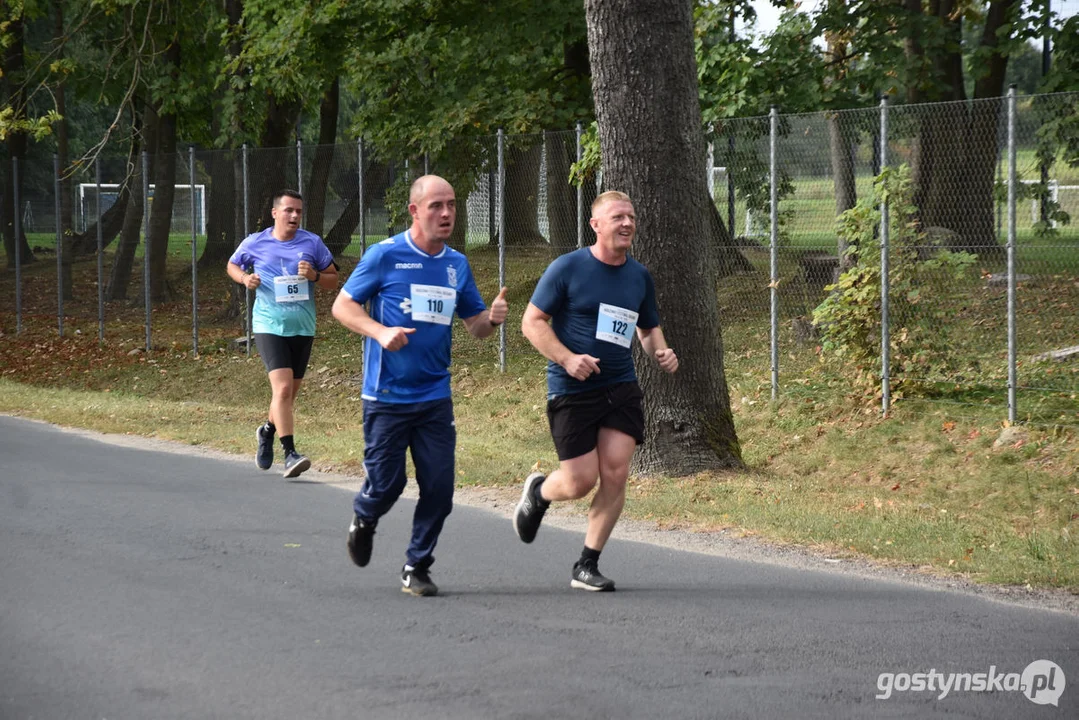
411	244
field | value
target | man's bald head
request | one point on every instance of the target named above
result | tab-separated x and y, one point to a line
433	208
424	185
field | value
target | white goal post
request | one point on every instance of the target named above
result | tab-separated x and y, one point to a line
181	206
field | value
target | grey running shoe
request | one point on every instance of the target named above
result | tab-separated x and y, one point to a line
264	454
417	582
529	513
295	463
586	576
361	536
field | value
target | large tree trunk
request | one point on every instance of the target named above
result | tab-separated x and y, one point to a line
315	192
645	88
522	195
13	94
161	209
164	192
223	200
266	165
954	157
62	153
841	139
561	195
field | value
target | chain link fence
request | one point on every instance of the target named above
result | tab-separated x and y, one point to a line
982	261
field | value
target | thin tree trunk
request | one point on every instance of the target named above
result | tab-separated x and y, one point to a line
645	89
315	191
131	234
11	84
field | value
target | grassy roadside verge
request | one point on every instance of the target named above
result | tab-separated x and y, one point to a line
925	489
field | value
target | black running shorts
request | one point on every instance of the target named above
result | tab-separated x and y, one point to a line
279	352
575	419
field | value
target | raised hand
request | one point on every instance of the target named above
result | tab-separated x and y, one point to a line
499	308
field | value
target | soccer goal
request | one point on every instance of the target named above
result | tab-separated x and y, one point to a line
184	201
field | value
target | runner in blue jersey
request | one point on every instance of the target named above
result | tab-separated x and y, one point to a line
283	265
583	316
414	285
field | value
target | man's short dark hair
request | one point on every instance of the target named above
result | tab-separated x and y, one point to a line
286	193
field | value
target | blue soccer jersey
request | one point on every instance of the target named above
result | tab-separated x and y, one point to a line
409	288
284	301
595	310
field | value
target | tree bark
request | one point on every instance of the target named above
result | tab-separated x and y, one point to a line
522	195
11	83
561	195
315	192
62	155
266	165
953	158
841	141
164	192
222	203
131	234
645	89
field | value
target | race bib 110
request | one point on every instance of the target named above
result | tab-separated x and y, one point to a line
433	304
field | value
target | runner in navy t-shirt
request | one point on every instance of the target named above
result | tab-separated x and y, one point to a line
583	316
414	284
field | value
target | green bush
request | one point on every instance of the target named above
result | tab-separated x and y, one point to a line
849	319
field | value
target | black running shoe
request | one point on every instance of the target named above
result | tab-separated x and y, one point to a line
361	535
586	576
417	582
295	463
264	454
529	513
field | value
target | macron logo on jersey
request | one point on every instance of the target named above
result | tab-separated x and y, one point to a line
408	266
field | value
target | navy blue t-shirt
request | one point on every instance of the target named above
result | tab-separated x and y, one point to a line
595	309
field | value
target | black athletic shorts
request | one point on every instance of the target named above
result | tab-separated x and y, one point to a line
575	419
279	352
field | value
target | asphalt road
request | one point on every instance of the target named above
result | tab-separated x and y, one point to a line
147	584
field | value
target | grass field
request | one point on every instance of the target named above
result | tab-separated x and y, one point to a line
928	488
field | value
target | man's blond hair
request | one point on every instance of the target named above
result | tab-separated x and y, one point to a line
609	196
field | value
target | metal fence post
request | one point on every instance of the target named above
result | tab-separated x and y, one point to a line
773	249
59	247
710	167
363	215
580	193
146	242
730	184
1011	257
299	171
247	293
501	242
194	255
363	208
18	245
100	256
885	334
